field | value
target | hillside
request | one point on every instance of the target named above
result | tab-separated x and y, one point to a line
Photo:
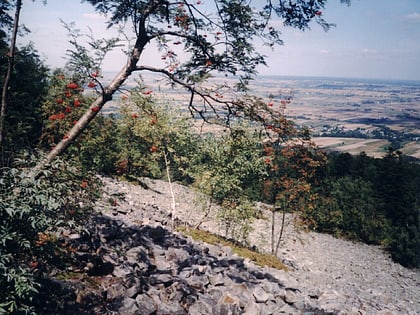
176	274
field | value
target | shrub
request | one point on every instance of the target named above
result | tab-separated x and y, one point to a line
33	209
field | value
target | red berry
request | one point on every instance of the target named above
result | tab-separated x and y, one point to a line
72	86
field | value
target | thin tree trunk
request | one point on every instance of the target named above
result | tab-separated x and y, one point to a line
173	204
283	219
273	224
10	62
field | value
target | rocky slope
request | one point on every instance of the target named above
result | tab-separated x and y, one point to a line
327	275
127	261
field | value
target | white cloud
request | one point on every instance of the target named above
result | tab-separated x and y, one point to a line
369	51
415	16
324	51
94	16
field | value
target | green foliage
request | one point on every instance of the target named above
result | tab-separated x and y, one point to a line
32	212
234	25
68	97
354	211
372	200
148	132
405	245
27	87
63	106
228	170
98	149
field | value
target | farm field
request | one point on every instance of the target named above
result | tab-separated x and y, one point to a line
354	111
372	147
346	115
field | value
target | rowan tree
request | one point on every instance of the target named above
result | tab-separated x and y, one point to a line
196	39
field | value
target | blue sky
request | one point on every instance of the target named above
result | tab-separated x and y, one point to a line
373	39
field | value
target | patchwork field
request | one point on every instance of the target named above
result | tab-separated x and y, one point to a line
348	115
361	115
372	147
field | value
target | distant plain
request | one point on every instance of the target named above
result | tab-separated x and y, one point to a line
342	113
334	105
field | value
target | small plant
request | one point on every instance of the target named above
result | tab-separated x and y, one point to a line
258	258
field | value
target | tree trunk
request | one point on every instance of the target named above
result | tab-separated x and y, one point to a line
10	62
273	224
97	105
283	219
173	203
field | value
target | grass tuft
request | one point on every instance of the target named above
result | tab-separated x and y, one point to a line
258	258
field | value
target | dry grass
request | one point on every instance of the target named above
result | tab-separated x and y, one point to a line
258	258
372	147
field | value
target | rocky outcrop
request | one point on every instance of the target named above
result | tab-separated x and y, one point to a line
159	272
129	262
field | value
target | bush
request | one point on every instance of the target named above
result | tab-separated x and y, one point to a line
405	246
33	210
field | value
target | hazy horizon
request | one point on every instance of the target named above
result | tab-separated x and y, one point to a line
372	39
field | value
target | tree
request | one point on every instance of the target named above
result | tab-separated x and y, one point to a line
10	61
216	38
228	170
27	79
292	169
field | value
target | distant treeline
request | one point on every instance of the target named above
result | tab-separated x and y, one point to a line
395	137
376	201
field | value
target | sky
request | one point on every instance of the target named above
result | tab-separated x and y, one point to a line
373	39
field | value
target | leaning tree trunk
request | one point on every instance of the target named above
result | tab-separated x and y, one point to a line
97	105
10	62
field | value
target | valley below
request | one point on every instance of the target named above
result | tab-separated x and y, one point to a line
345	115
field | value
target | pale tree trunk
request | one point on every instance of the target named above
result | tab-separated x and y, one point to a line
173	203
10	62
283	220
275	245
273	226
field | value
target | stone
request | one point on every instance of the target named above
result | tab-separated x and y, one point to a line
115	291
201	307
260	295
288	309
253	309
177	254
132	291
161	264
170	309
217	279
215	293
290	297
274	307
121	271
129	306
331	301
198	282
327	275
145	304
164	278
227	298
